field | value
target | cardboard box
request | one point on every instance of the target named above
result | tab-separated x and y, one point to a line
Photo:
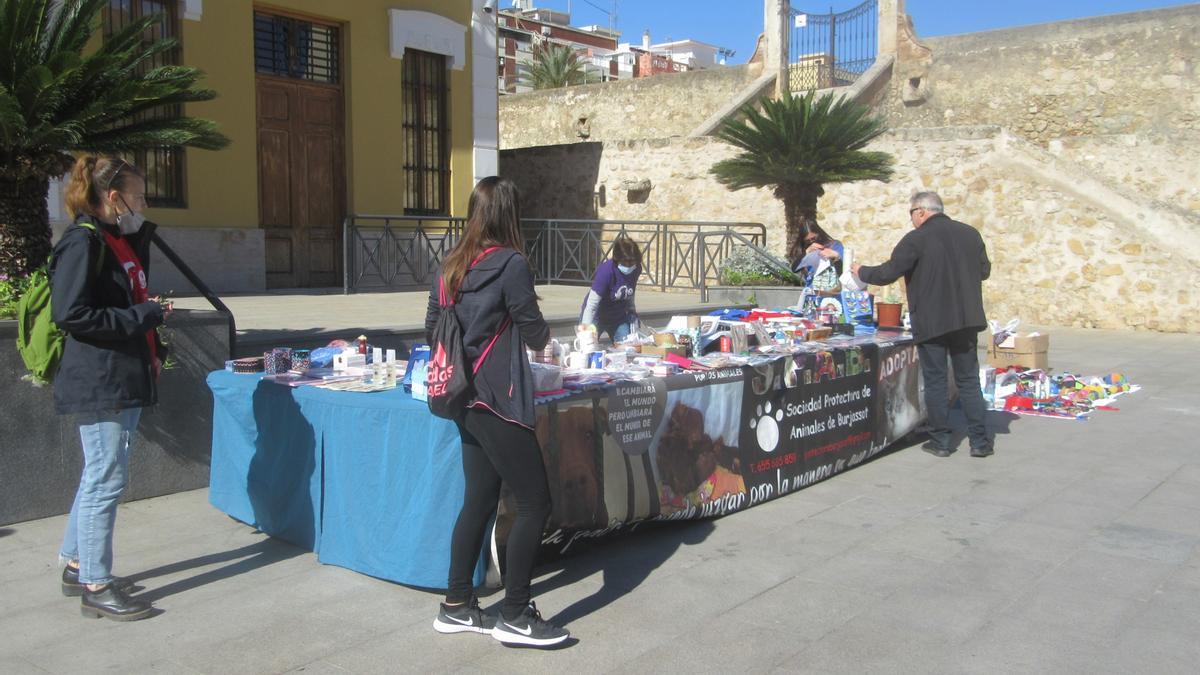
1029	351
655	350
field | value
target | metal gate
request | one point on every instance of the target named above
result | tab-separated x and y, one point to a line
832	50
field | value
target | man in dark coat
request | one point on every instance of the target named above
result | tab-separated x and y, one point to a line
944	263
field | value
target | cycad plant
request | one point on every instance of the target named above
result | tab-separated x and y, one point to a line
553	66
55	100
798	144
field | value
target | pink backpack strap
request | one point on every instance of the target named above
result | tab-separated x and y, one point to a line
443	297
483	255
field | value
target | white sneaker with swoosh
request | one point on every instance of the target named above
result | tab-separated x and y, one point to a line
529	629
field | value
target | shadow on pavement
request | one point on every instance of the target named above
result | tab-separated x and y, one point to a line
998	423
242	560
624	561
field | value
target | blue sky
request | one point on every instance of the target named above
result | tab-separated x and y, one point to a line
736	23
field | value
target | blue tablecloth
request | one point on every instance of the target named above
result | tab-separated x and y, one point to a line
370	482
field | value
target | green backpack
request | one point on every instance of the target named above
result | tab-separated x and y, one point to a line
39	340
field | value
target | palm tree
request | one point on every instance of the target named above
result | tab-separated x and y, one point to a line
553	66
55	100
798	144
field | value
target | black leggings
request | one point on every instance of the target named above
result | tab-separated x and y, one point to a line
493	451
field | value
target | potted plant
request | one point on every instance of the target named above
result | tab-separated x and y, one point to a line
747	277
889	309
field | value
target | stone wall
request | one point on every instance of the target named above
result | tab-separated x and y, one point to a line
1160	166
1060	257
1071	146
1123	74
652	107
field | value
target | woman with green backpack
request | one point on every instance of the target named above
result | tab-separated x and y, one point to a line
109	367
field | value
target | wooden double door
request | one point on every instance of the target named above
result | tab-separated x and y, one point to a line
301	180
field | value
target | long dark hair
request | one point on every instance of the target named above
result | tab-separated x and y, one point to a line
493	219
807	228
823	237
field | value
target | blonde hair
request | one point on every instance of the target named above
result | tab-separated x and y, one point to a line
91	177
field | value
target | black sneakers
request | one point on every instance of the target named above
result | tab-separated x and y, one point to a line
465	618
529	629
985	451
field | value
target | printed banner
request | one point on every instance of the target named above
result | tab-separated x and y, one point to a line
704	444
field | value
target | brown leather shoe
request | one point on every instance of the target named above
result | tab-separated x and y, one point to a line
110	603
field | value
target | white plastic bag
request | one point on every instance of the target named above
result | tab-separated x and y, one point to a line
850	282
1001	336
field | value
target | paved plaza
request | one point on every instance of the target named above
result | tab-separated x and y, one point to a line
1073	549
288	315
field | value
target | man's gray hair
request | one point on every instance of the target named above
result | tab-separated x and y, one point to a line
930	201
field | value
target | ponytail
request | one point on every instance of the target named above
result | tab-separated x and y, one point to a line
90	178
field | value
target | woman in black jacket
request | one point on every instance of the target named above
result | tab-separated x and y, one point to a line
498	311
109	366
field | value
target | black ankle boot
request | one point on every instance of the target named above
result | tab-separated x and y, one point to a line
73	589
109	602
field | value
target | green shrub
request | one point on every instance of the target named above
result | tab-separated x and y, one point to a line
744	267
10	293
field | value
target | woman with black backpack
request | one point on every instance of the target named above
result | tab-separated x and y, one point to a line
491	285
110	364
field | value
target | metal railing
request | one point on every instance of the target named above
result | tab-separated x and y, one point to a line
394	252
401	252
200	286
568	251
832	50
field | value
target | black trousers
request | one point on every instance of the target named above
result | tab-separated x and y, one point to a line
493	451
959	347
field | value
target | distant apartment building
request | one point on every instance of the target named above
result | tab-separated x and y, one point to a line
523	27
520	30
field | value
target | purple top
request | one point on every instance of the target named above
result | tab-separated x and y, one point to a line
616	294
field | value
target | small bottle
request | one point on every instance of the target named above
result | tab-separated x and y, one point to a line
362	345
390	378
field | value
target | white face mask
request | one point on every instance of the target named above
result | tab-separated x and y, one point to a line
626	270
131	221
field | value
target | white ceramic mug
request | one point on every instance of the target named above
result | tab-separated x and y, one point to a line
585	342
576	360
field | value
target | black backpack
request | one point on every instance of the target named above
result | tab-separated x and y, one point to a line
448	381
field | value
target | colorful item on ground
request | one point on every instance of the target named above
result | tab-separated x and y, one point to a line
1063	395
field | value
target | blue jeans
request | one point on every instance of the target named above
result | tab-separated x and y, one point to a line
89	537
960	348
617	333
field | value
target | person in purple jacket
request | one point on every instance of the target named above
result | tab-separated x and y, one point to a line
609	304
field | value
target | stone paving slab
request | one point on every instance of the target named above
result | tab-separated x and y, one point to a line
1076	548
323	311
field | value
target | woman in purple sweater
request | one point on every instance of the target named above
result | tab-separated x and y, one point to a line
609	304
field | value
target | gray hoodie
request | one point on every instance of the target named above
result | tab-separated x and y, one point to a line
498	311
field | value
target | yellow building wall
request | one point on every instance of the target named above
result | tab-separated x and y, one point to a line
222	187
